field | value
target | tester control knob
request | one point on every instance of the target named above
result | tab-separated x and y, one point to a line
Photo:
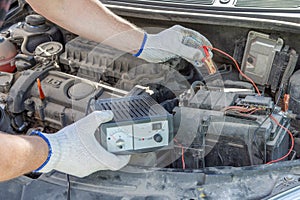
120	143
158	138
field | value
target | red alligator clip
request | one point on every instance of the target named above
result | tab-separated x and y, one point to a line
208	62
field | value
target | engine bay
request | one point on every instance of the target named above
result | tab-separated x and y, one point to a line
237	116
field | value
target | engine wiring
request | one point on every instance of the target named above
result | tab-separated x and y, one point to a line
243	111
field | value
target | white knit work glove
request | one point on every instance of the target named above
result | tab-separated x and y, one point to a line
76	151
176	41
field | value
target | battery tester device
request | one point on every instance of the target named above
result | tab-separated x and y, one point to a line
139	125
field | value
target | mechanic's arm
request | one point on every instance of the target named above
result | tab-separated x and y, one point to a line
73	150
92	20
20	154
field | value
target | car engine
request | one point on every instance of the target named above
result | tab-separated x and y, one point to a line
48	81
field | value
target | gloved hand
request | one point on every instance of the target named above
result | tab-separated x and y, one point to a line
76	151
174	42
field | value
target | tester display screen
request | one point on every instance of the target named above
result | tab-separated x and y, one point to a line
156	126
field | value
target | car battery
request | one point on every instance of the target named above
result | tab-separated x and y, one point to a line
231	141
139	125
244	142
